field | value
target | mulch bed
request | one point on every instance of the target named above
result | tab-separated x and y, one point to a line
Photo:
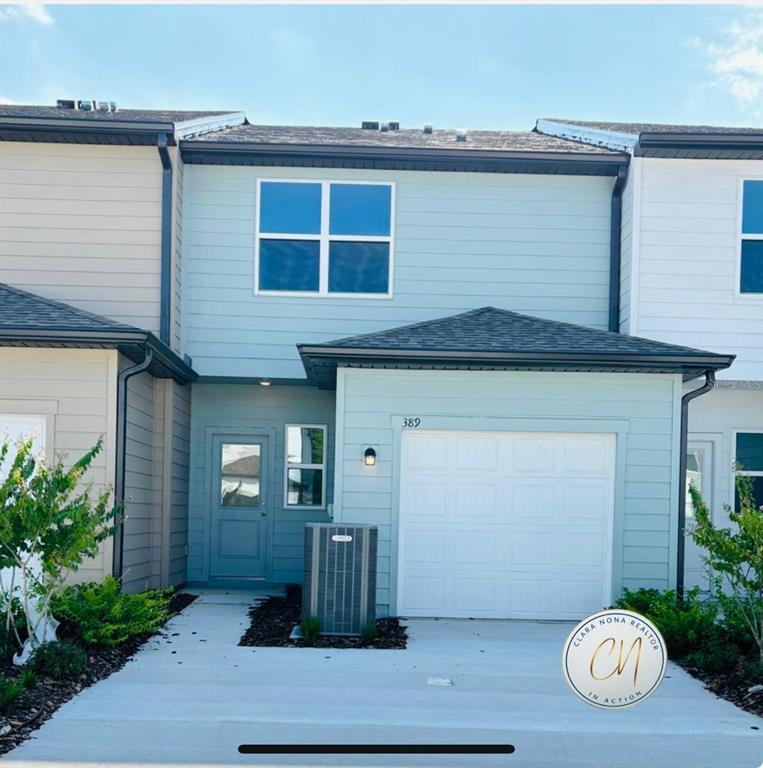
733	685
35	706
274	618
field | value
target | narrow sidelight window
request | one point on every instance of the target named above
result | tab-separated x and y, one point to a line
324	238
751	251
305	470
749	458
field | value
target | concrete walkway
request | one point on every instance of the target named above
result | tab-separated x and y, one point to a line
192	697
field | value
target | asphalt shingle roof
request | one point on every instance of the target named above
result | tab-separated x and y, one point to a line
28	311
498	330
121	115
637	128
497	339
407	138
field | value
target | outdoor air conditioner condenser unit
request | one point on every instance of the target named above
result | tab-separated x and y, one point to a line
340	576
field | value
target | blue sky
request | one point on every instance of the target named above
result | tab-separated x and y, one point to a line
454	66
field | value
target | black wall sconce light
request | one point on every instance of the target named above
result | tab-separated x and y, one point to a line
369	457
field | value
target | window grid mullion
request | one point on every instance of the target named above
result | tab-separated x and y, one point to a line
323	281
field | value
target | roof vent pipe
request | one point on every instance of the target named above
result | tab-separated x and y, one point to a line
370	125
66	104
394	125
461	134
428	129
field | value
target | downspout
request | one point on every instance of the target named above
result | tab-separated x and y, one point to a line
616	218
166	263
682	467
119	481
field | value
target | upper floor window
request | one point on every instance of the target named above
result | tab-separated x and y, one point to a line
324	238
751	266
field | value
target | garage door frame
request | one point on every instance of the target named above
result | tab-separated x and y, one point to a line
616	427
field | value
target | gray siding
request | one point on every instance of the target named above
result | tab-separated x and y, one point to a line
530	243
177	544
143	480
82	224
642	410
236	408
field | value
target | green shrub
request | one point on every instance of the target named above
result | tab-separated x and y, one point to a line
688	626
28	678
10	690
716	656
99	614
311	629
369	632
61	661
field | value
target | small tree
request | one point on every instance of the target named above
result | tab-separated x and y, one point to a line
735	556
47	528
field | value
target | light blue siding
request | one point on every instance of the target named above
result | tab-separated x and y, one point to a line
641	410
531	243
249	408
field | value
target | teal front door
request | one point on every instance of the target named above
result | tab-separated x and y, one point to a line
240	515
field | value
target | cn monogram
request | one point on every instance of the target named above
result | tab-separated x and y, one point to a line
621	663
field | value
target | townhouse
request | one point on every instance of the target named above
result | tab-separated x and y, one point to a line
426	330
692	273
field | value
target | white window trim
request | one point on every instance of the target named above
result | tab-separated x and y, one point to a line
302	465
324	238
738	294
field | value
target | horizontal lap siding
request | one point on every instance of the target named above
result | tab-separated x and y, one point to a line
143	483
248	408
530	243
687	263
79	386
179	474
82	224
373	402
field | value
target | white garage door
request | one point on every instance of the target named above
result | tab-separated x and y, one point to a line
505	524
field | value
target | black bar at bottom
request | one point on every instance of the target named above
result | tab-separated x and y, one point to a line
376	749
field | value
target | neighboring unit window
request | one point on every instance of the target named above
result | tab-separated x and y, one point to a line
240	475
751	267
305	465
324	238
749	459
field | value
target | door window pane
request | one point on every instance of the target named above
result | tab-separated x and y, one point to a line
289	265
304	487
752	208
240	475
289	208
752	267
356	267
360	209
304	445
694	470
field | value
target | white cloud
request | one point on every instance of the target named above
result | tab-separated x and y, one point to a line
31	10
736	62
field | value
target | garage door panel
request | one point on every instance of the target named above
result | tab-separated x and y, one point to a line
533	499
534	454
505	542
588	456
476	453
586	500
476	499
427	454
474	595
475	547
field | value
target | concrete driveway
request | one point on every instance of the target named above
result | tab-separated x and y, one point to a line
191	697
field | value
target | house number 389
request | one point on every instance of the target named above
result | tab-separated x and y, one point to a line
411	422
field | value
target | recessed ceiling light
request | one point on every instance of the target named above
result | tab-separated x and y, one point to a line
265	382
